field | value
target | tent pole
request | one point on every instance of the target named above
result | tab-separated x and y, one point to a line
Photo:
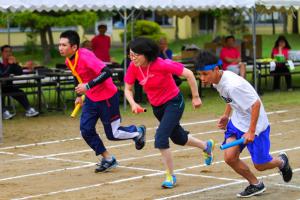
132	22
254	45
125	53
8	30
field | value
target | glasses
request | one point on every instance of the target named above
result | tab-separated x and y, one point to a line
133	55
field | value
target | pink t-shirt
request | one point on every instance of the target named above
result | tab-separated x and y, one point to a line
88	68
229	53
160	86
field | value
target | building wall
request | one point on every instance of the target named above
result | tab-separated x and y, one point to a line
19	38
184	27
187	27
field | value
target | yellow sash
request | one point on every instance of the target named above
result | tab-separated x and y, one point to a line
72	67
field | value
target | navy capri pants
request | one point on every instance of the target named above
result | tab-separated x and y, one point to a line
169	115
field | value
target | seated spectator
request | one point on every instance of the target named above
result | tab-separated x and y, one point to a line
231	57
166	53
9	66
101	44
281	47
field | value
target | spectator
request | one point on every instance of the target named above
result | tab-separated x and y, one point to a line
101	44
231	57
281	47
9	66
166	53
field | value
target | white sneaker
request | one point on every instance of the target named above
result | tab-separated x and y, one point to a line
7	115
31	112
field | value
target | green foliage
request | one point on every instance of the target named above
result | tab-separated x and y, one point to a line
144	28
235	21
38	21
30	45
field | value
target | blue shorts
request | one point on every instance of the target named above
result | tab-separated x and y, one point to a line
259	149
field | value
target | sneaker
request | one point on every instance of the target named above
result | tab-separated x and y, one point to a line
7	115
105	165
169	182
286	170
252	190
31	112
208	153
141	138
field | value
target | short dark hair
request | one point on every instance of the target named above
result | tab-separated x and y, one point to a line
204	58
229	37
102	26
73	37
5	46
146	47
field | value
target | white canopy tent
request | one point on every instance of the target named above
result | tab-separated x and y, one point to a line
109	5
277	5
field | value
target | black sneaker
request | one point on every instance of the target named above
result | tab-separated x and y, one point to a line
105	165
286	171
252	190
141	138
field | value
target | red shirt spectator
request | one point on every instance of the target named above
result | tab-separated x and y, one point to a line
229	52
284	51
101	44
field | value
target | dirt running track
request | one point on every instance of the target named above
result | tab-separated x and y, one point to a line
45	158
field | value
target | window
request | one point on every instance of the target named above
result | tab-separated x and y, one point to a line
162	20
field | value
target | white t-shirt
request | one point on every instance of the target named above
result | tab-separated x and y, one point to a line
237	92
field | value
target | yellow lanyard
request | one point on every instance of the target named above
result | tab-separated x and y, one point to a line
72	67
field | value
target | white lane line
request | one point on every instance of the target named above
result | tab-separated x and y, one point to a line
47	172
290	120
210	177
40	143
85	150
216	187
87	187
287	185
28	157
79	138
89	164
130	179
201	190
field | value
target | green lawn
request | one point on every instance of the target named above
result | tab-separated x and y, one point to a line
212	103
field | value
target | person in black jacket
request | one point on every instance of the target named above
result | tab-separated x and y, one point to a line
9	66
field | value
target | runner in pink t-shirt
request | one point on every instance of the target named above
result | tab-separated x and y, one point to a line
102	100
155	75
89	67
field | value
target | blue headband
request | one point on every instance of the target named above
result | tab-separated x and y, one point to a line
209	67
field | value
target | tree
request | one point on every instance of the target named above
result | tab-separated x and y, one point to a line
235	20
143	28
217	14
42	22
